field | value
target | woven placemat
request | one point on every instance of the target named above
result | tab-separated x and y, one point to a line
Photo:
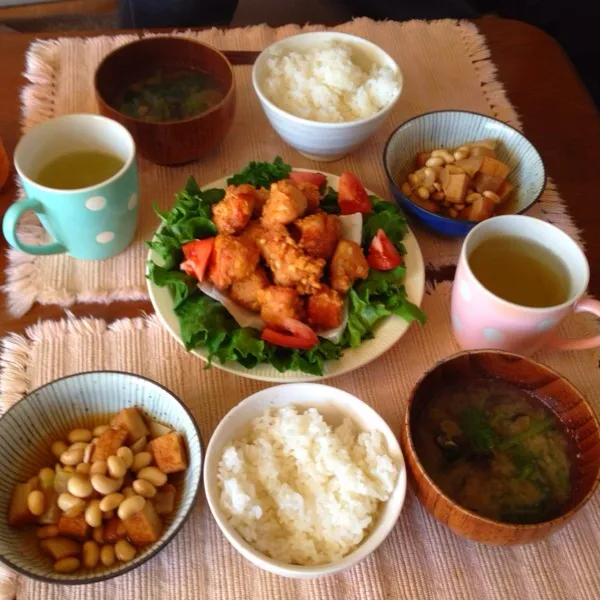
420	559
445	64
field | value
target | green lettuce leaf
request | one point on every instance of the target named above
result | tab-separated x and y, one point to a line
386	216
262	174
189	219
380	295
329	203
180	284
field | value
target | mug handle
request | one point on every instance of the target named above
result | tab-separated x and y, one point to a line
562	343
9	228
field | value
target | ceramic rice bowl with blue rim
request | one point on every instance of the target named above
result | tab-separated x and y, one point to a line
451	129
47	414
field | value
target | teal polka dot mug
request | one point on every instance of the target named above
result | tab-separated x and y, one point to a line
89	223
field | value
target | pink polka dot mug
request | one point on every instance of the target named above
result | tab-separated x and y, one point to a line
480	319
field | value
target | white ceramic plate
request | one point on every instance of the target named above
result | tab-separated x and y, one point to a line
387	333
334	405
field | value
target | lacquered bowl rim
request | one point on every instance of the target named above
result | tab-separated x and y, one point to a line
161	544
473	516
150	40
443	218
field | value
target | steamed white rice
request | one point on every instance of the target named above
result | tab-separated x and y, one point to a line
301	491
326	84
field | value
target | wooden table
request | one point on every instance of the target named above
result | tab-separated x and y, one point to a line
558	115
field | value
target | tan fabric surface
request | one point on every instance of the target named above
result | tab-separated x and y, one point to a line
445	66
420	560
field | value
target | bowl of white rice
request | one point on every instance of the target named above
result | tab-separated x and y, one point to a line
304	479
326	92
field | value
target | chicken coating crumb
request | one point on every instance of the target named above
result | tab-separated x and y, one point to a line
233	259
245	292
278	303
324	309
347	265
290	266
313	196
232	214
285	204
319	234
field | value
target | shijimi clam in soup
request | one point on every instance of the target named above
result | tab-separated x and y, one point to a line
496	451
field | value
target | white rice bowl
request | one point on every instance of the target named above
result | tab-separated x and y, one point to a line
326	84
302	491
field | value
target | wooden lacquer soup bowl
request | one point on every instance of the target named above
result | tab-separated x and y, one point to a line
545	385
170	142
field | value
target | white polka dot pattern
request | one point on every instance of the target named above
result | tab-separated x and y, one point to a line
95	203
105	237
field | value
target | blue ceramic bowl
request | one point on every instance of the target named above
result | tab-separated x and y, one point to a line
85	400
451	129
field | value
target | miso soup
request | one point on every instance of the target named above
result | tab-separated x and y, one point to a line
496	451
172	94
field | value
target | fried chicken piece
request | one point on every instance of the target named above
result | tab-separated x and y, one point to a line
285	204
290	266
347	265
324	310
319	234
245	292
313	196
261	195
233	259
278	303
253	231
232	214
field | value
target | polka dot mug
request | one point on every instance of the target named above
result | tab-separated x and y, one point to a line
91	223
480	319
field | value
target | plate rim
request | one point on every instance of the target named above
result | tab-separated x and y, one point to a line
295	376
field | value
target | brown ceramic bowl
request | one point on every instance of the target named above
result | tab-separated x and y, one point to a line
175	141
549	387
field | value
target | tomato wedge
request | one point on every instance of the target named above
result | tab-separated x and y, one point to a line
383	255
317	179
299	336
197	254
352	196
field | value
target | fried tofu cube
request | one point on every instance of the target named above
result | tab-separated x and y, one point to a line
169	452
132	421
114	530
456	187
481	209
469	165
60	547
504	190
19	513
494	168
422	158
145	527
164	501
73	527
108	443
52	513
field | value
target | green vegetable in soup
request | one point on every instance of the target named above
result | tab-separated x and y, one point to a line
170	95
496	451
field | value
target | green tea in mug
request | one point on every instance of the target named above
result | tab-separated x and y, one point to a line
520	271
79	169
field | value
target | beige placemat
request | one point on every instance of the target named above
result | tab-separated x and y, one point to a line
420	560
445	64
